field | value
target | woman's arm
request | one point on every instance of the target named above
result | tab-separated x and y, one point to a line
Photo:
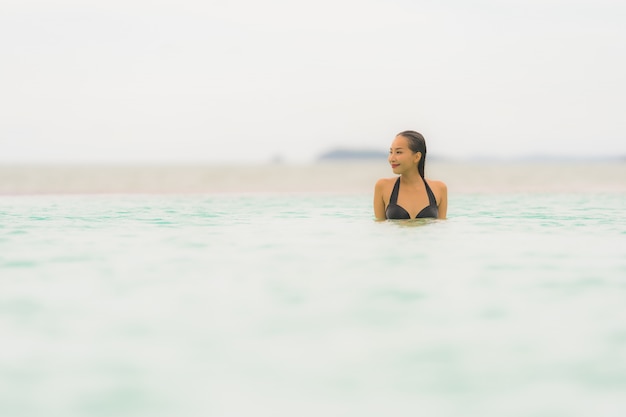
379	203
443	200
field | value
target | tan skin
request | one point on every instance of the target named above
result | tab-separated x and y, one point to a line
412	195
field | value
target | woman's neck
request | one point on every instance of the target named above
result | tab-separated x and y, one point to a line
411	177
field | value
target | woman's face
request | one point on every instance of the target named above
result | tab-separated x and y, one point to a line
401	157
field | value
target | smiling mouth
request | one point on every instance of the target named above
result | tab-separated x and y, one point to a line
395	165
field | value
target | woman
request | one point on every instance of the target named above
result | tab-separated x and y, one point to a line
411	195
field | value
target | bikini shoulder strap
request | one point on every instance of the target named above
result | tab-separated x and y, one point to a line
393	199
431	196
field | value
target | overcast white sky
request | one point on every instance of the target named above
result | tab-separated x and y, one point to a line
245	80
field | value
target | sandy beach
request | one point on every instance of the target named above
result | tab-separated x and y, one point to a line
332	177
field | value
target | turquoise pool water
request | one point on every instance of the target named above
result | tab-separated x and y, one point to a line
302	305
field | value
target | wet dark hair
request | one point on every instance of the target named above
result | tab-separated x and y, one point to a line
417	143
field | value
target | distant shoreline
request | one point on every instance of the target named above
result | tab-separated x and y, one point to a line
365	155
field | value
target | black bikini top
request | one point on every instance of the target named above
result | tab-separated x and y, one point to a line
394	211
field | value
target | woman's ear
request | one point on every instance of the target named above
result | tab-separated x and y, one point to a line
417	156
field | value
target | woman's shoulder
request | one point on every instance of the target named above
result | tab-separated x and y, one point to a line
384	186
437	185
385	182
